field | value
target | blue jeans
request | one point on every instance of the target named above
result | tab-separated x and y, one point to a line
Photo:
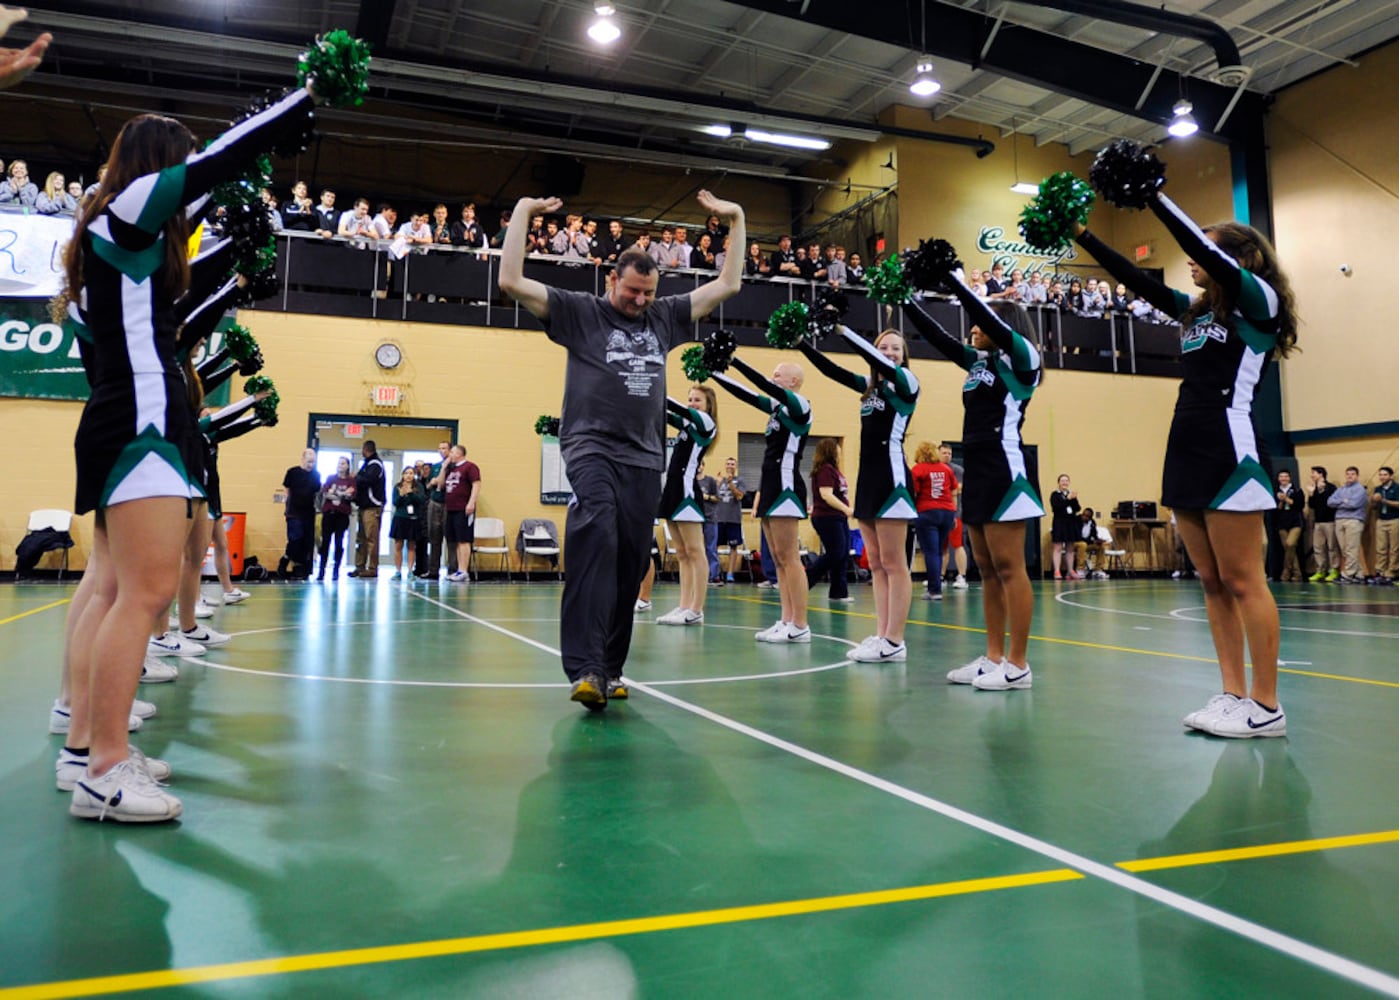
711	549
769	567
835	552
932	527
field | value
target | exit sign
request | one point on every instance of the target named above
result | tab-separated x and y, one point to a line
354	430
387	395
1142	252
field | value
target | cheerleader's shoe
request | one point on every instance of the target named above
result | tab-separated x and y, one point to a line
960	583
235	596
675	616
1246	719
156	671
1003	677
641	606
773	633
142	709
203	609
792	633
125	794
688	617
170	644
204	636
61	719
70	767
1218	703
881	651
969	672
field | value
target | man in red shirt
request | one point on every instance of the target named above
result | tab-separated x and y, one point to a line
462	481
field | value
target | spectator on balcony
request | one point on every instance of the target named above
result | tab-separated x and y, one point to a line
357	224
643	243
327	218
995	282
611	245
814	267
299	212
385	222
75	188
1055	297
1120	302
498	240
466	231
702	256
18	189
683	247
413	233
1141	311
835	266
854	271
54	198
755	265
666	253
594	240
537	238
1073	298
570	244
1092	303
274	215
441	229
722	255
1035	292
783	262
91	189
716	230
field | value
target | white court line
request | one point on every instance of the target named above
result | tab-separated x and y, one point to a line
1292	947
1179	614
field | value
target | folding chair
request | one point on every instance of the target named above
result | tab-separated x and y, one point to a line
538	542
490	529
61	523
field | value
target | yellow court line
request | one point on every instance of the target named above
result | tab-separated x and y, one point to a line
1090	645
34	611
161	979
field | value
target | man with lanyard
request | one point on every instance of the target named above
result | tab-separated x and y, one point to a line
437	518
612	434
370	495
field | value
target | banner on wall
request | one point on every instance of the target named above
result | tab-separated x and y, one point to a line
1014	254
31	254
39	358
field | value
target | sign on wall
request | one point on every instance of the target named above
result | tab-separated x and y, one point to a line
31	254
1013	253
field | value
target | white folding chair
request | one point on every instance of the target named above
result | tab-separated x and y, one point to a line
539	543
670	556
491	529
58	520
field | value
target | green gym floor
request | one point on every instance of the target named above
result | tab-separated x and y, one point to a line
388	794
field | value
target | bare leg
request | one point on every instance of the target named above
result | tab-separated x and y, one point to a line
889	572
82	624
1058	559
1226	625
86	587
223	566
1005	546
993	601
694	564
791	575
1233	539
647	582
192	565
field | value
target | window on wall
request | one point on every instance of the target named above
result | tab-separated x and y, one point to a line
750	459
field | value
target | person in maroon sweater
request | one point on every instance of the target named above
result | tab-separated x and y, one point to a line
462	481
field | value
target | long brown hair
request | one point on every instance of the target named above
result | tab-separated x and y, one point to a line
1255	254
711	407
874	379
827	453
147	144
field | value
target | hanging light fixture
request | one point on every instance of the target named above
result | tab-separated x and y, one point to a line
1019	187
604	30
924	83
1183	124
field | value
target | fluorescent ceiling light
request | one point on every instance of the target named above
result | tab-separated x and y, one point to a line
1025	187
779	139
719	131
604	30
924	83
1183	124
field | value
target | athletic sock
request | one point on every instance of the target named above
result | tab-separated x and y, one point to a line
76	752
1266	708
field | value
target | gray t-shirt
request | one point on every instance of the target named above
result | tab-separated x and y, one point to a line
614	385
961	478
730	508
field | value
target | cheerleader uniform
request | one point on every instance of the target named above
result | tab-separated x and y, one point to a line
697	433
997	486
781	489
883	483
1214	458
137	437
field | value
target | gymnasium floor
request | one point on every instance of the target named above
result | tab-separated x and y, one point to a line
387	793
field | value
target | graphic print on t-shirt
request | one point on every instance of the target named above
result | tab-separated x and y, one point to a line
638	359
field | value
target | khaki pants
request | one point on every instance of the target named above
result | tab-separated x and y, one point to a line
1324	550
1387	547
1348	532
1289	538
367	541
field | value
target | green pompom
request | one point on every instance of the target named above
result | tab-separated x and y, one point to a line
258	383
246	188
239	342
888	284
547	426
337	68
692	360
1047	222
266	410
787	325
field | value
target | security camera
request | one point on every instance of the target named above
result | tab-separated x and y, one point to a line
1345	269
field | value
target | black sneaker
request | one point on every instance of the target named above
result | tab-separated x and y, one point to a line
590	691
616	689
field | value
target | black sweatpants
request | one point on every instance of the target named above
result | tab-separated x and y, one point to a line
609	535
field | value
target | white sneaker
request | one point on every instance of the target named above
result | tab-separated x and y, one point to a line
1246	719
61	719
204	636
766	585
235	596
960	583
642	605
457	577
125	794
203	609
142	709
70	767
773	633
689	617
1002	677
842	600
1216	704
968	672
880	651
795	633
170	644
156	671
675	616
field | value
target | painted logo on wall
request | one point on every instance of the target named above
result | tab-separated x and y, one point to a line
1015	254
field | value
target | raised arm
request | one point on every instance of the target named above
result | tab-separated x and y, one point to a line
236	429
232	412
742	392
833	371
201	321
1144	285
531	294
943	342
706	298
903	380
218	374
206	274
1022	352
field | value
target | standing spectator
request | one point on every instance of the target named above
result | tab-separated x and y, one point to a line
441	231
755	265
594	241
385	222
1055	297
299	212
935	487
302	484
498	240
75	190
954	549
717	230
835	266
702	254
996	283
55	198
327	218
269	202
1289	525
1121	304
707	489
666	253
854	271
536	238
409	506
813	268
369	498
783	262
729	515
1036	292
1350	504
466	231
830	516
1386	499
722	255
1324	548
357	224
684	249
437	517
1064	529
610	247
18	189
336	496
462	483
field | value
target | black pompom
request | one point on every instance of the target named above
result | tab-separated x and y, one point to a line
1127	175
928	266
261	285
719	347
251	365
294	132
830	308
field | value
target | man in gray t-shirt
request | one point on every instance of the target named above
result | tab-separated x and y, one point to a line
611	434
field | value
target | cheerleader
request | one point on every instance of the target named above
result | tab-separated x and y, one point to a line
1214	478
1003	370
883	502
679	505
782	492
137	441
